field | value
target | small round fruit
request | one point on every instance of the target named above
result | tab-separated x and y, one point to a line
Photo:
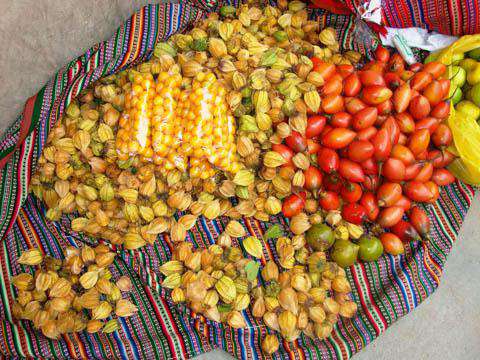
293	205
456	96
370	248
345	253
354	213
329	200
320	237
392	244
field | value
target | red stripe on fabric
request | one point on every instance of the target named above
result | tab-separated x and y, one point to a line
140	33
424	5
406	13
286	346
467	196
162	324
26	234
427	265
25	123
444	222
369	292
452	25
340	344
69	345
460	16
80	346
335	7
131	36
299	350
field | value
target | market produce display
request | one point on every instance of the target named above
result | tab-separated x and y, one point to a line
256	112
380	149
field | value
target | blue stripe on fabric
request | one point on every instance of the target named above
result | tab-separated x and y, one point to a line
194	339
119	342
251	338
207	232
129	336
412	288
398	280
411	12
240	336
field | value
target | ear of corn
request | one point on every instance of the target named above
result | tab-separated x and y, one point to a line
134	134
167	132
178	129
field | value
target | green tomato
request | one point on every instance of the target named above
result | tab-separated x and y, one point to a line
320	237
371	248
473	76
467	93
457	96
468	108
345	253
467	64
459	76
475	94
474	54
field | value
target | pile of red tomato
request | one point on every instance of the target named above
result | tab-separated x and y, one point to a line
380	143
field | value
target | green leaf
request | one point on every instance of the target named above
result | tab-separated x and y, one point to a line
251	269
273	232
224	308
125	164
164	48
269	57
200	44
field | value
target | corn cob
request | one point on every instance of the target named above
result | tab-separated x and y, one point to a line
167	131
133	136
190	128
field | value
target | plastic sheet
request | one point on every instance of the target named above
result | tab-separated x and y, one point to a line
465	130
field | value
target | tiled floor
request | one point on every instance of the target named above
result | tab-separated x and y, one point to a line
446	326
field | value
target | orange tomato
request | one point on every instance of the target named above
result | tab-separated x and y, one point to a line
332	104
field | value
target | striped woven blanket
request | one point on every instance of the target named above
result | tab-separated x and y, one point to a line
384	290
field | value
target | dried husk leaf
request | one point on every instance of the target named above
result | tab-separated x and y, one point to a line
124	308
235	229
101	311
31	257
89	279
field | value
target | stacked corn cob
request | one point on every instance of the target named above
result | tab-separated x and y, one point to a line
179	129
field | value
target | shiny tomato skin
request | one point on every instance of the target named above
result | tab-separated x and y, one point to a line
315	126
329	200
360	150
354	213
351	171
296	142
293	205
352	85
351	192
328	160
369	202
